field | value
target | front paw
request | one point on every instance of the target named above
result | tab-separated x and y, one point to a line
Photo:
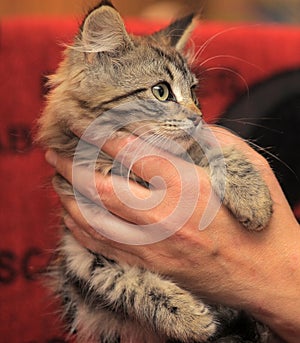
178	316
189	323
246	194
248	198
255	213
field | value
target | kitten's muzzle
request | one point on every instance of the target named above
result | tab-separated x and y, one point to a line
193	113
195	118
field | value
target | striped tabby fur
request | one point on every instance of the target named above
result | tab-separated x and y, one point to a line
102	299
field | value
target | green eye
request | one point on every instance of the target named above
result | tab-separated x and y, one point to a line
162	92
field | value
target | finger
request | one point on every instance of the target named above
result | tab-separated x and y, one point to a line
72	208
145	160
137	255
118	195
82	236
136	155
97	187
83	175
94	242
96	219
82	178
134	203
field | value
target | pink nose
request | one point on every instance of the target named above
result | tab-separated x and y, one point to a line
195	118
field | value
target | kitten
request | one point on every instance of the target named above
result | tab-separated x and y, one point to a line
104	69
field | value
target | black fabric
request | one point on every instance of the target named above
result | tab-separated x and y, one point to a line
269	117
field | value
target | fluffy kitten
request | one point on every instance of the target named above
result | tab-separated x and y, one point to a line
106	67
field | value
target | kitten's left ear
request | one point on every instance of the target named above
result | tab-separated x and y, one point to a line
103	30
178	33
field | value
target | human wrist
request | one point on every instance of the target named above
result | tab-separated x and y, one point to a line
276	304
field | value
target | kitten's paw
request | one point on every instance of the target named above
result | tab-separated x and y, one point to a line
199	323
257	214
246	194
182	318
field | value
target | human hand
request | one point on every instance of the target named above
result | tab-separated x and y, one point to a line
224	262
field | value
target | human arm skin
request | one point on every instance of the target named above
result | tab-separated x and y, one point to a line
258	272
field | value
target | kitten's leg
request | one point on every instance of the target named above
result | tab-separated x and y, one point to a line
133	294
85	325
246	194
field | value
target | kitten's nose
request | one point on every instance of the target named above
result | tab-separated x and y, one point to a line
195	118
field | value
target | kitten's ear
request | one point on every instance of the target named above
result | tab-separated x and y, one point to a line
177	33
103	30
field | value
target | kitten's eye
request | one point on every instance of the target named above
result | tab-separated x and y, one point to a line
162	92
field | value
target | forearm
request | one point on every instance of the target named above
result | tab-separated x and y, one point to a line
275	296
271	287
278	304
264	280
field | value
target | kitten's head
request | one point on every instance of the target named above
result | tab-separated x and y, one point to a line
107	67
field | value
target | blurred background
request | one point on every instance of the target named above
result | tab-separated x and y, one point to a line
249	82
287	11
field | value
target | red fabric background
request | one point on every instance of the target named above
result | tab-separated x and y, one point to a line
29	50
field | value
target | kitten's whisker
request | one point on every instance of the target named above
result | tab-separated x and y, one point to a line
251	143
155	139
219	129
259	148
145	149
232	57
231	71
250	118
209	40
190	53
158	140
241	121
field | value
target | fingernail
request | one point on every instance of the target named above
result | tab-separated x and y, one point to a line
51	157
